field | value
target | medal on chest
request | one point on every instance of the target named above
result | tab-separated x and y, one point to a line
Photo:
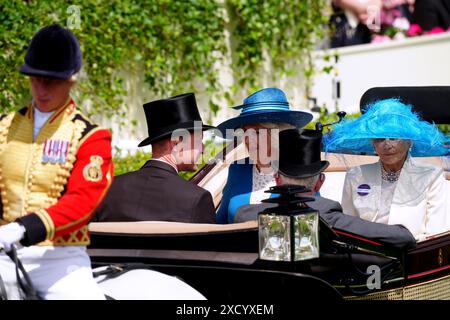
55	151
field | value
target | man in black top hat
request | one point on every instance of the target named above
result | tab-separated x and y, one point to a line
156	192
300	164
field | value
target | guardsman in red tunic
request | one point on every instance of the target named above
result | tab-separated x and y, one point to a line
55	168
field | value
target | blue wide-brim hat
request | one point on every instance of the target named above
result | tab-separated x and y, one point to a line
389	118
266	105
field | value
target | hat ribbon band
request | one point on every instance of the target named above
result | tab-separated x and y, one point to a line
264	107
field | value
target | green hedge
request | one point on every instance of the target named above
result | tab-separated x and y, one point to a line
128	163
134	162
174	45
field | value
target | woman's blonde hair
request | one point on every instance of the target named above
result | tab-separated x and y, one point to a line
280	126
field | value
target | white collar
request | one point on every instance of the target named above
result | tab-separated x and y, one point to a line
166	162
40	118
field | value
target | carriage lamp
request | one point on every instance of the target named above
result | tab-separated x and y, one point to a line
288	231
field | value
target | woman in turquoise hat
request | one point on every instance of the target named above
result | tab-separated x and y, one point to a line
263	114
398	189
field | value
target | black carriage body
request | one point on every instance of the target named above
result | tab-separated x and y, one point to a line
223	263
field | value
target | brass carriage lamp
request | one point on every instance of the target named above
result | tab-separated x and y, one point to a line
290	230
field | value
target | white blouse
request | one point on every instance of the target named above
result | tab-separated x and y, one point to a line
418	201
260	183
387	194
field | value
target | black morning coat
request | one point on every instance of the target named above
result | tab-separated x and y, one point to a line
155	193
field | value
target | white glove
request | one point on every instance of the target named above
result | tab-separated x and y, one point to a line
10	234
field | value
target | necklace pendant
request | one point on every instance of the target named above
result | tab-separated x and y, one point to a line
389	176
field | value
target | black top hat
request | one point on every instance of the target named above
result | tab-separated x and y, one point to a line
166	115
54	52
300	153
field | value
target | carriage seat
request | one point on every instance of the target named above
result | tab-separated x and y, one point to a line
165	227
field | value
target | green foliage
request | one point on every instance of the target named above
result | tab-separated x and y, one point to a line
171	42
445	128
15	34
174	45
134	162
130	162
283	29
326	118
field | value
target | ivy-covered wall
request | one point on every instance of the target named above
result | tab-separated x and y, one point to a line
174	46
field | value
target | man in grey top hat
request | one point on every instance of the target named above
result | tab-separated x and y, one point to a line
300	164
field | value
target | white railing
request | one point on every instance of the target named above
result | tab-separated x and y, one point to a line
419	61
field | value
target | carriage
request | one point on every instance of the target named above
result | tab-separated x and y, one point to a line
222	261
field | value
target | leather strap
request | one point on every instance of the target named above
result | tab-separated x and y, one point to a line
3	294
25	284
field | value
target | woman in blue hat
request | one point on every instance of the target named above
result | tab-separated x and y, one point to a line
263	115
398	189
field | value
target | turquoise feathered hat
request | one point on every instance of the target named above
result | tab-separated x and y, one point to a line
389	118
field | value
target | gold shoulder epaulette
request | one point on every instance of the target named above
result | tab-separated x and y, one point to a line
89	125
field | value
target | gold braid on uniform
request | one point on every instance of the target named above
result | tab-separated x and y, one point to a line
60	182
63	175
4	130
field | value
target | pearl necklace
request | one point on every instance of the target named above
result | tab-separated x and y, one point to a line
390	176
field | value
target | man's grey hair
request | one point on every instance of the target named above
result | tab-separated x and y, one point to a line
309	182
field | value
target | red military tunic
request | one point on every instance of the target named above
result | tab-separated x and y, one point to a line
53	185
